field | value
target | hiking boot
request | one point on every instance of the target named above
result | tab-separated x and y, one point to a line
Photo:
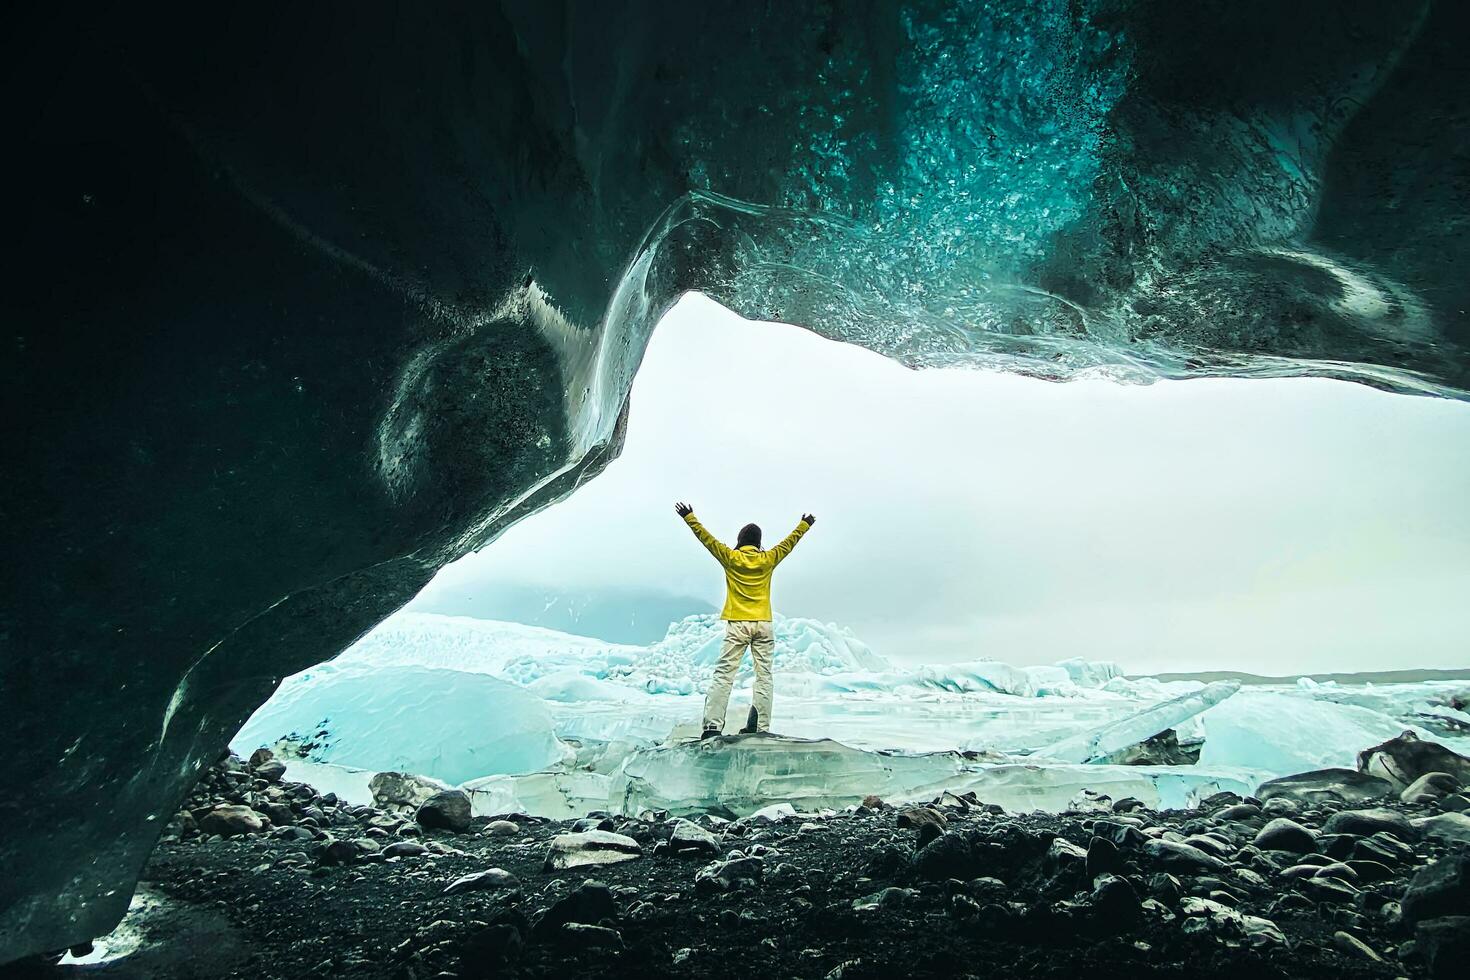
710	733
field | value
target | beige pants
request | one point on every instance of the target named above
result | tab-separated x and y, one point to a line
739	634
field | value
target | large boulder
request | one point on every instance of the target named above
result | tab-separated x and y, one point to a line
446	810
1320	785
1405	758
403	790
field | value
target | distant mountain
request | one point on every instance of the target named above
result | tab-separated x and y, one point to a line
617	616
1409	676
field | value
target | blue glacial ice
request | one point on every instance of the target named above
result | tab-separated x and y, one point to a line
532	719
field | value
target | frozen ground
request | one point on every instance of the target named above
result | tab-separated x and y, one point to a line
554	724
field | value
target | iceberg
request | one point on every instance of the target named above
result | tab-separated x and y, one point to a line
1119	735
1288	732
447	724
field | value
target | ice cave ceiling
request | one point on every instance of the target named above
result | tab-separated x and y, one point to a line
305	303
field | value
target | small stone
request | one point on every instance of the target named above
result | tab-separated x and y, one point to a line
491	879
404	848
271	771
231	820
1240	812
1115	899
872	802
1354	946
888	898
590	847
691	840
1173	856
1102	857
260	757
1431	784
1328	890
1283	834
929	822
1118	833
446	810
1364	823
1452	827
580	934
502	828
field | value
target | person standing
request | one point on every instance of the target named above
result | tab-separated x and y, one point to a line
747	616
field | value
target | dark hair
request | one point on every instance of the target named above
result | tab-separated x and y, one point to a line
749	534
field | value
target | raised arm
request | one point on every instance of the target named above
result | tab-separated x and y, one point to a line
787	543
715	546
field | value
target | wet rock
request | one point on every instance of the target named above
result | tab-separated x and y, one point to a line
722	876
403	790
231	820
944	857
1444	945
1364	823
332	852
1403	759
590	848
1384	848
1127	804
1063	855
1328	889
1430	786
405	849
888	898
588	903
1116	900
491	879
1341	785
1283	834
1438	889
1102	857
446	810
1240	812
502	828
1118	833
1455	803
929	822
1355	947
580	935
1183	859
1454	827
691	840
271	771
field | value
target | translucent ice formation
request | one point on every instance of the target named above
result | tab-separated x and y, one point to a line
447	724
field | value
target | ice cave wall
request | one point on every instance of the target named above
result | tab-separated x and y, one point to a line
303	304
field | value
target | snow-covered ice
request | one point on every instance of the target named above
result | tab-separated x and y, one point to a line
535	720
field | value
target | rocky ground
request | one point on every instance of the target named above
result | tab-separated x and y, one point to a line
263	878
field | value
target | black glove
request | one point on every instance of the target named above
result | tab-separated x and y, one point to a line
683	509
809	518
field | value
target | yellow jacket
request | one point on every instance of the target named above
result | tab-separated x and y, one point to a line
747	571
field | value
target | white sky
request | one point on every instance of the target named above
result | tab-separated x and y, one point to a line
1269	526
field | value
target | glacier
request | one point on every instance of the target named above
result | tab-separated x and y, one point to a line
291	332
558	725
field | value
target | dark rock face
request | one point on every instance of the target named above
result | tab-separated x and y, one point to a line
303	313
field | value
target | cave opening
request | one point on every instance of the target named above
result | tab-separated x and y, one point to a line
1001	566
